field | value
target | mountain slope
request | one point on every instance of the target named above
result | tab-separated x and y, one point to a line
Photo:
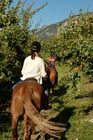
49	31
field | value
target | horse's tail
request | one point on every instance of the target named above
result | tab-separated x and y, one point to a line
52	128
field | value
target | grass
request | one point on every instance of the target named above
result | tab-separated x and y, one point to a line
74	108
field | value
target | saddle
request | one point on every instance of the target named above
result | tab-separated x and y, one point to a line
31	79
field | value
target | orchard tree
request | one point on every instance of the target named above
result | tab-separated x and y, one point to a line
15	37
77	43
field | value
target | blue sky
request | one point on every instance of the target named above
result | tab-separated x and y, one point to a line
58	10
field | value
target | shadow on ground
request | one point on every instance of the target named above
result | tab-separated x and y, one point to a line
61	90
63	116
57	93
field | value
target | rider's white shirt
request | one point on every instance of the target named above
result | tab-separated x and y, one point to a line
33	68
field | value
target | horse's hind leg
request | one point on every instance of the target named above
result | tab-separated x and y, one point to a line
29	128
26	137
14	127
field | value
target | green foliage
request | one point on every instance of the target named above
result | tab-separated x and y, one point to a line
78	38
15	38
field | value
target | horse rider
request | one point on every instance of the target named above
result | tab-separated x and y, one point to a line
34	66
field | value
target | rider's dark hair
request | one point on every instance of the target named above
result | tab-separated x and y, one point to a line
35	47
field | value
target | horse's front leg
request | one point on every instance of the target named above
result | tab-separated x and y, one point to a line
14	127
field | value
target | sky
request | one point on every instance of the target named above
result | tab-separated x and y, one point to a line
58	10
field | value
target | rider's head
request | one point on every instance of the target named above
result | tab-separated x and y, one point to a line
35	48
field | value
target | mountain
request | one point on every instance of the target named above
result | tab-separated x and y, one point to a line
49	31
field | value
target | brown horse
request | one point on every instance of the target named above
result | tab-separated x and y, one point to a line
52	75
28	100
